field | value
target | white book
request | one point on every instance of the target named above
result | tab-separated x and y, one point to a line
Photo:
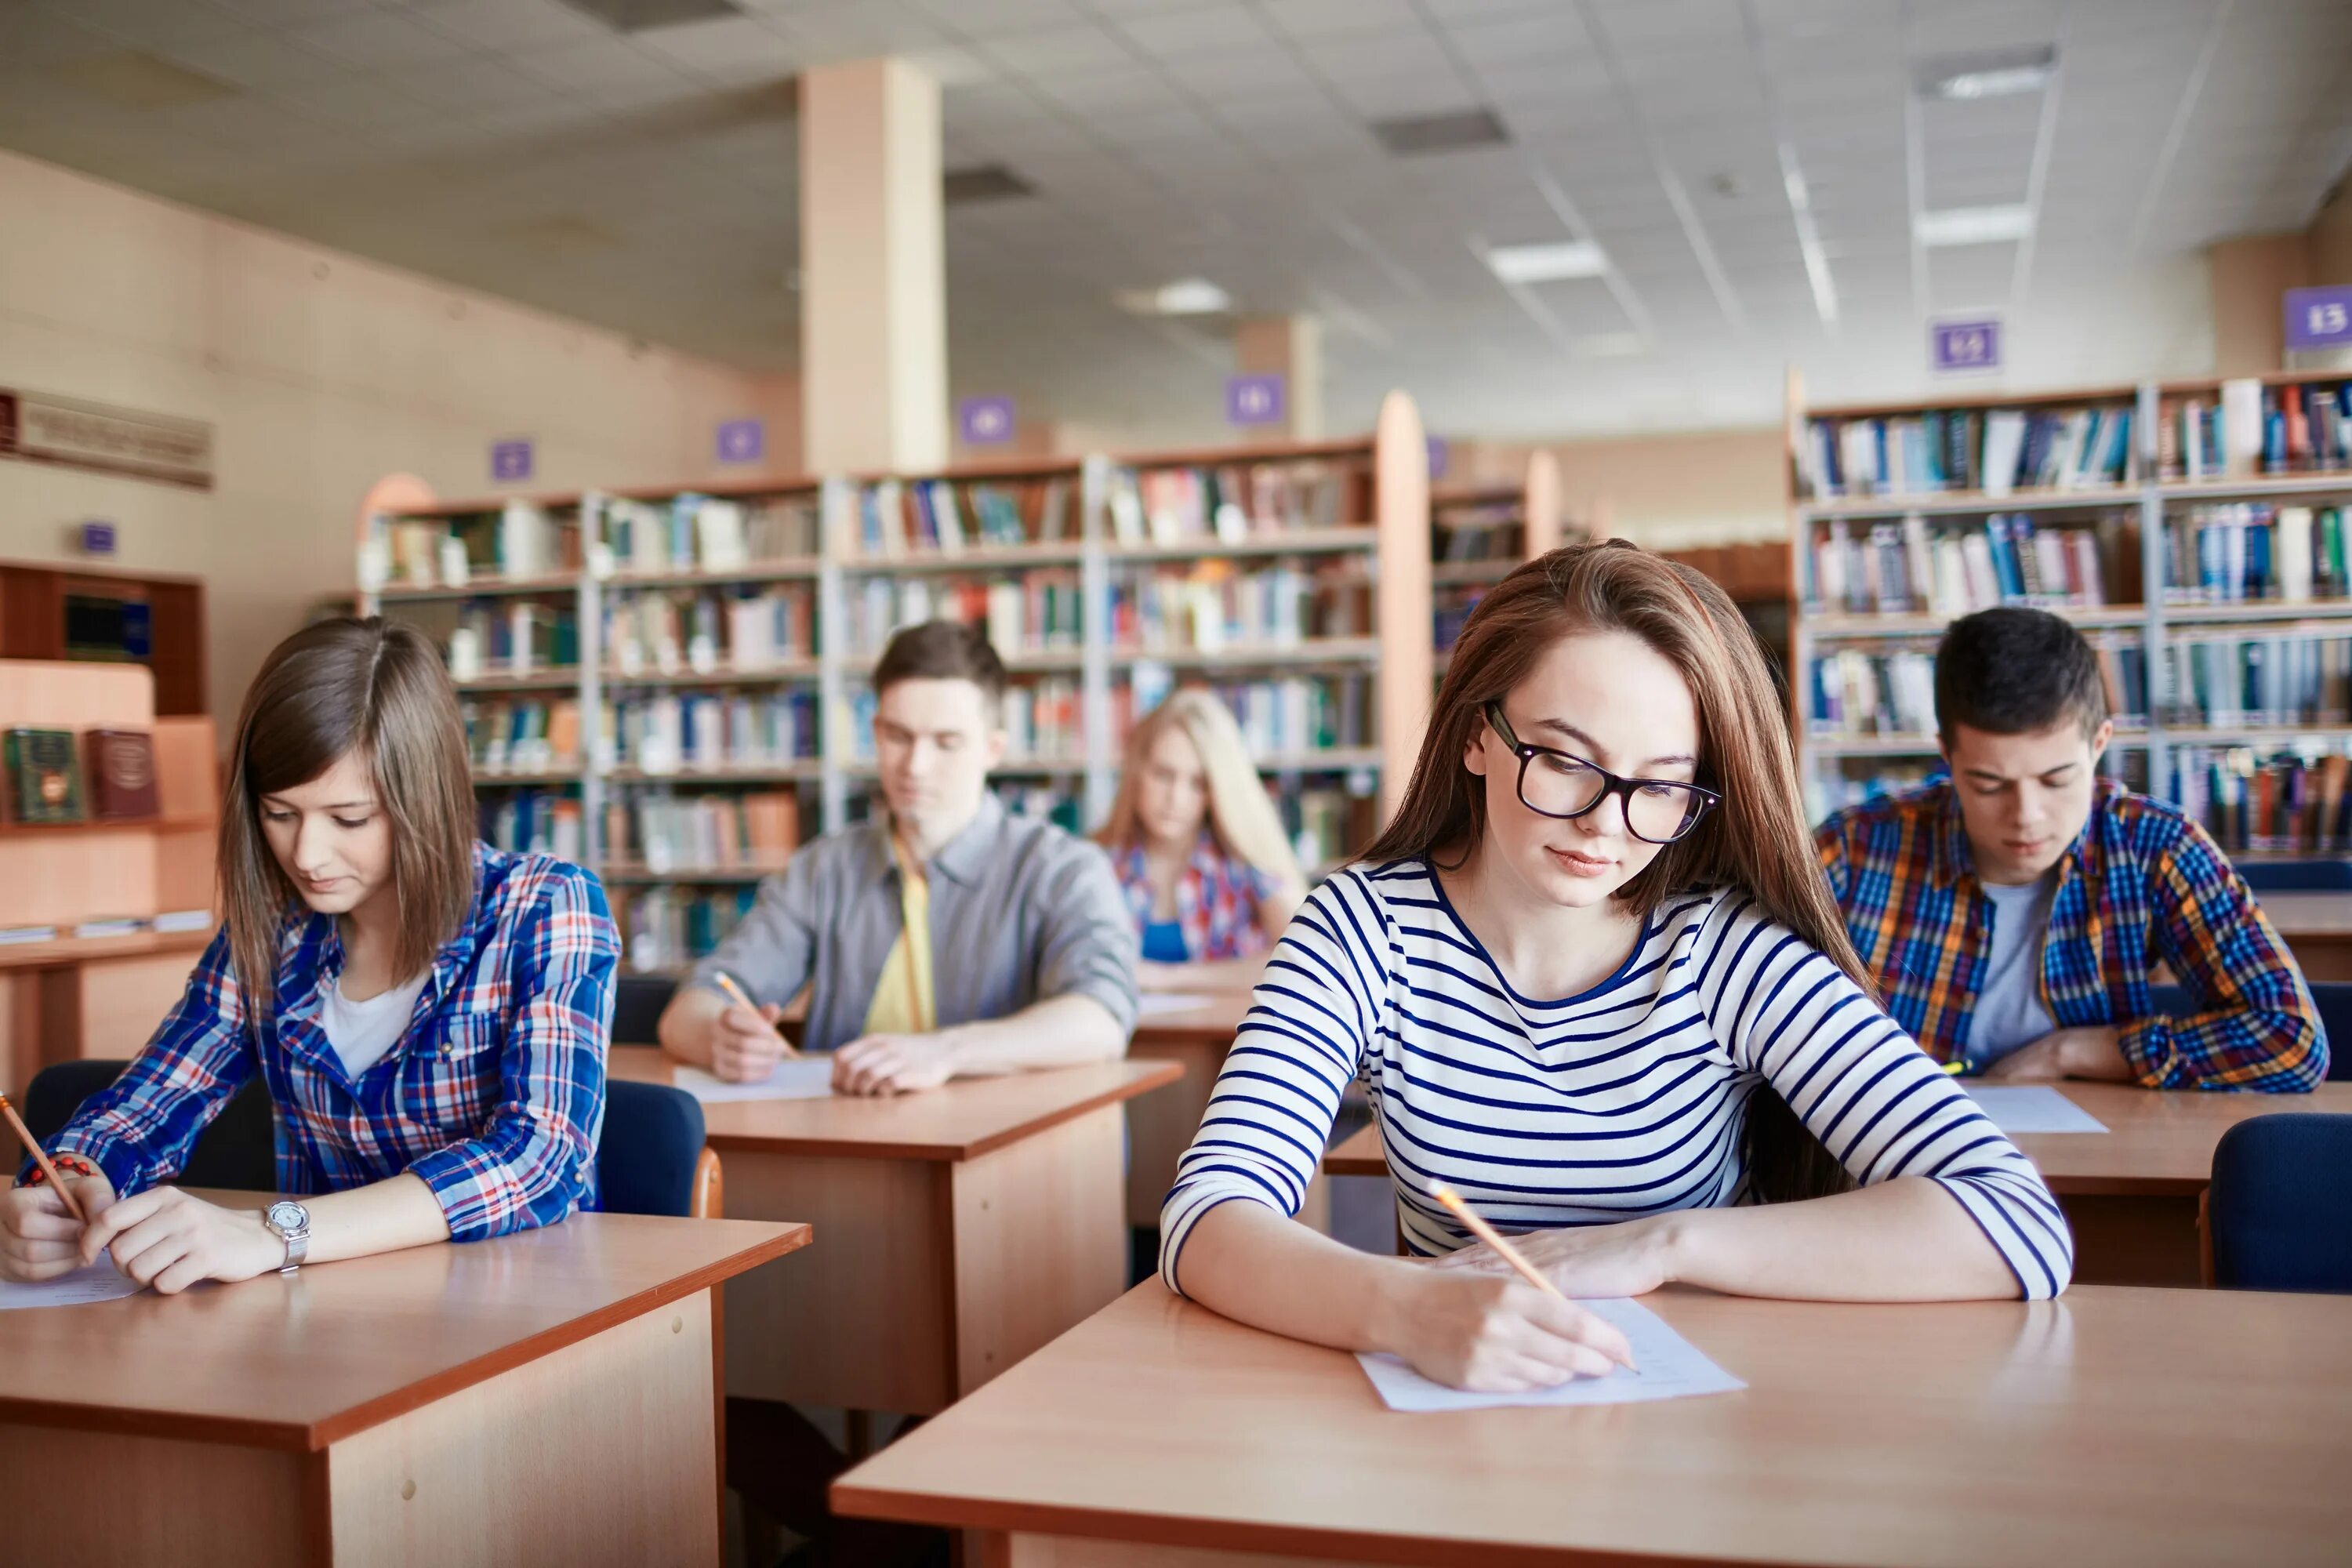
1919	560
945	518
456	570
1951	594
1858	457
2293	541
2242	426
719	535
1984	583
465	654
890	507
1126	510
2004	439
1004	616
2050	556
519	619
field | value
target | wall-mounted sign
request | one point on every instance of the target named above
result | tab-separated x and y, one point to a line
1437	455
72	434
985	421
742	441
511	460
1970	345
1254	400
2319	318
95	538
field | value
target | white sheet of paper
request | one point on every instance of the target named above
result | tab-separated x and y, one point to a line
99	1282
806	1078
2032	1108
1154	1003
1671	1367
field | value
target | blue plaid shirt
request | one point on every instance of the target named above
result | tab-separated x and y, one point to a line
494	1098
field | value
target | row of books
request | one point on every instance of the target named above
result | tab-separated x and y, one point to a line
522	735
700	532
2252	428
517	636
668	926
673	732
1852	694
1995	451
1480	531
678	630
2228	681
666	832
2224	555
534	821
1450	611
1214	604
1950	568
1039	611
48	782
2251	803
1327	824
522	539
1236	501
896	517
1043	801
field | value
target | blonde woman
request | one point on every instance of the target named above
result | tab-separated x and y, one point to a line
429	1014
1198	847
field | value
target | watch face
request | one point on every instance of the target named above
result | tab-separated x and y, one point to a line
289	1217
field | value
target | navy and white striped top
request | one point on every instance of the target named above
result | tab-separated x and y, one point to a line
1625	1100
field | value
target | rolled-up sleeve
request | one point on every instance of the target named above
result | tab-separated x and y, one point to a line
534	1161
1089	943
770	953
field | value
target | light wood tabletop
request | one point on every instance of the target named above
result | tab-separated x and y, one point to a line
547	1396
979	1221
1907	1437
2326	915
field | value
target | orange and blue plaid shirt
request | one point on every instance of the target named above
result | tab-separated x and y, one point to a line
2140	886
494	1098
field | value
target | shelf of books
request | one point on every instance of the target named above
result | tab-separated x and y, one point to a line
725	640
2195	531
1479	533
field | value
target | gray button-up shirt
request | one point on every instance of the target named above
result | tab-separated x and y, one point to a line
1020	910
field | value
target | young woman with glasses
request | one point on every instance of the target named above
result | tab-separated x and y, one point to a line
1591	979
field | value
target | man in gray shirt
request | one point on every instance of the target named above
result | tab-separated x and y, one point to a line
1021	953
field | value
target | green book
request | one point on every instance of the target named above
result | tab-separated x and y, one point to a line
44	769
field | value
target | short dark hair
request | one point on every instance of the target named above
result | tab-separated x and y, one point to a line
2012	671
941	650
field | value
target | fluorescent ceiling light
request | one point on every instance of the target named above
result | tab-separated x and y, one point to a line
1973	226
1546	263
1185	296
1997	74
1612	345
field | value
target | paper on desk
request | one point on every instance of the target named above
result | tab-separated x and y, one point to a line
1671	1367
98	1282
807	1078
2032	1108
1152	1004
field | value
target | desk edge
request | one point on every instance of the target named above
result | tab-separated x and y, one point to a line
948	1152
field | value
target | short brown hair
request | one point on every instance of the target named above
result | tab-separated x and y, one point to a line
333	689
2013	671
941	650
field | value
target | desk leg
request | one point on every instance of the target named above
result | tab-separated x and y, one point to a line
2134	1240
100	1499
1003	1549
601	1453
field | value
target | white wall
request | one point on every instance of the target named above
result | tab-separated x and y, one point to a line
320	373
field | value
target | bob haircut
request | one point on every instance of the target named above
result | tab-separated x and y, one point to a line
1756	841
341	687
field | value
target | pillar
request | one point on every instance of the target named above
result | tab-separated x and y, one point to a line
874	348
1292	348
2249	279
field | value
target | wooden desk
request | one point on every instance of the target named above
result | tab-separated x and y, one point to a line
2318	931
1161	1128
1915	1437
546	1397
2130	1193
976	1222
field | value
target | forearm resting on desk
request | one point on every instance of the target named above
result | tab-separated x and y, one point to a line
1060	1031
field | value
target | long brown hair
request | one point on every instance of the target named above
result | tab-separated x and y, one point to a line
1242	816
339	688
1755	841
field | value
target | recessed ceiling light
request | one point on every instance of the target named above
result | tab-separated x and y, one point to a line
1185	296
1996	74
1973	226
1546	263
982	182
644	16
1413	134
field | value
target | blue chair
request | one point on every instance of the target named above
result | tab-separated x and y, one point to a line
2275	1215
238	1150
2297	876
2333	998
652	1158
637	1003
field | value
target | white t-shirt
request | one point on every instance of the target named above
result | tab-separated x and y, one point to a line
362	1032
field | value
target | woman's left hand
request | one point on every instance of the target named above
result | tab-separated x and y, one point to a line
168	1240
1627	1259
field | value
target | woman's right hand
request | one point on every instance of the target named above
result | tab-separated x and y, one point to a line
1498	1335
38	1238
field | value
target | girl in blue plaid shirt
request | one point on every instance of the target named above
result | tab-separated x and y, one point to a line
429	1014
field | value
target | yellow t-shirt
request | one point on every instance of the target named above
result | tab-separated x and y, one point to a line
903	1001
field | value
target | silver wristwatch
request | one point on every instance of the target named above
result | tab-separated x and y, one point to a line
290	1223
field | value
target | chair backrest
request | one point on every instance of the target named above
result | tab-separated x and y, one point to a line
238	1150
2296	876
2275	1212
649	1159
2333	998
637	1003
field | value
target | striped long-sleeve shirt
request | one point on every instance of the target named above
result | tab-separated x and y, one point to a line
1626	1100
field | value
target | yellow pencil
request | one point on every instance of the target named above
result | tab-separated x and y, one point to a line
25	1136
736	994
1953	1069
1503	1249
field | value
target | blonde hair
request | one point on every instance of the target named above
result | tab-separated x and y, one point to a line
337	688
1241	814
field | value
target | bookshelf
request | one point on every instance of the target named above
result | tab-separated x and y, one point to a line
1480	532
667	684
2195	530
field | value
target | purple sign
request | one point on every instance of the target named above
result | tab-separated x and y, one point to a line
95	538
510	461
1253	400
742	441
985	421
1437	457
1965	345
2319	318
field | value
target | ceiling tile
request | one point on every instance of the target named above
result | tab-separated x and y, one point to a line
376	41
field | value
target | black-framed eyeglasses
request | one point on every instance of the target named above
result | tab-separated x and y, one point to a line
1559	785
